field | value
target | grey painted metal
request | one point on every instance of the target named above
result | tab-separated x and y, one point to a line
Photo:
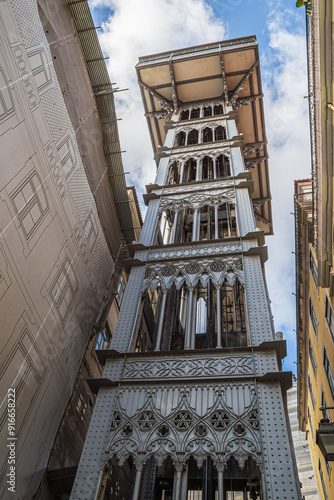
163	388
127	316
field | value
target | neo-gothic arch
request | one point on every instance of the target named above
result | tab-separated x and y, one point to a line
212	166
217	432
200	105
199	155
201	126
191	274
198	200
200	134
123	448
200	450
241	449
162	449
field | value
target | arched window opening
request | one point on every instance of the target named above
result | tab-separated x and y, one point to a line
147	319
190	169
201	312
242	484
165	228
157	482
208	111
185	115
207	168
207	223
179	315
220	133
173	174
202	482
207	135
203	223
218	110
193	137
227	222
164	478
188	221
233	327
153	299
201	318
180	139
223	166
119	478
195	113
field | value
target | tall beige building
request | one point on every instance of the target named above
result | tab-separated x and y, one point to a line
314	246
64	215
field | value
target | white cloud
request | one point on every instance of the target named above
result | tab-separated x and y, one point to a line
287	123
142	27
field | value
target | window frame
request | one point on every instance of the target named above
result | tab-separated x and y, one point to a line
37	200
314	269
313	318
311	392
121	286
329	316
103	336
328	372
313	359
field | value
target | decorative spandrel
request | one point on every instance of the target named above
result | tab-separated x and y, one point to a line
197	200
191	273
212	420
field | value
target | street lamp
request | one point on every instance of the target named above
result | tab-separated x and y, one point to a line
325	435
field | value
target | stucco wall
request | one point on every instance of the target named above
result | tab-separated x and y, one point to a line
55	264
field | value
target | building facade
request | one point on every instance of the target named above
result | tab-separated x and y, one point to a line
192	401
306	472
314	245
61	232
314	338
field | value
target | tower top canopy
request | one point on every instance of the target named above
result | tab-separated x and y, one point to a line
221	72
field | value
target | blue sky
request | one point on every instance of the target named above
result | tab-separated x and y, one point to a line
132	28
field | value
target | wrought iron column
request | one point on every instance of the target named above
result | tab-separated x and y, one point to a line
177	481
175	226
219	317
187	340
161	319
184	483
220	472
136	487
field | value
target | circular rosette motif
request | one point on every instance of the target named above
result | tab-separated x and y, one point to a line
168	271
163	430
148	273
218	266
253	419
192	268
146	420
201	430
239	429
116	421
127	430
219	420
182	420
